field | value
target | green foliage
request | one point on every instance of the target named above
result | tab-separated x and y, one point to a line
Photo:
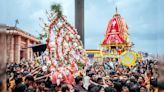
80	65
57	9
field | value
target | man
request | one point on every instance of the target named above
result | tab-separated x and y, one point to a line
143	89
141	81
109	82
29	80
71	89
79	84
86	80
125	89
67	88
100	81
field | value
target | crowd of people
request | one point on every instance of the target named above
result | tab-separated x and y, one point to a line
104	76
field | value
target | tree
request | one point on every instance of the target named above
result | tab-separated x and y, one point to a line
57	9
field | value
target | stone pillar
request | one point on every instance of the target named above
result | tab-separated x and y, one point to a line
27	50
11	48
79	18
8	40
17	48
31	52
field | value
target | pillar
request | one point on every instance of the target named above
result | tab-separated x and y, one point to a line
28	49
11	48
79	18
17	48
31	52
8	40
31	55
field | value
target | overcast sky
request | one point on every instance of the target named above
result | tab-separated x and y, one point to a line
144	18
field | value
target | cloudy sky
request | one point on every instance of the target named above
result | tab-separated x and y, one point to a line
144	18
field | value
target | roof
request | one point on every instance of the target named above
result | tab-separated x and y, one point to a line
6	28
14	28
3	26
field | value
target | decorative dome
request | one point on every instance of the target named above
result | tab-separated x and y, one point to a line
116	32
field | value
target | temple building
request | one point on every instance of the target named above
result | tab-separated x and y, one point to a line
116	40
14	42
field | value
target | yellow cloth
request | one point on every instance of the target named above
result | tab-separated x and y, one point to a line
155	89
147	84
12	83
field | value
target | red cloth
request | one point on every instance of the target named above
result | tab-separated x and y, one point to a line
116	23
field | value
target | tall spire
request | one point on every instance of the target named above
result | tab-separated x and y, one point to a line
116	10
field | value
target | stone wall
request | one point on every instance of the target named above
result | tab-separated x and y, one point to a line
3	61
